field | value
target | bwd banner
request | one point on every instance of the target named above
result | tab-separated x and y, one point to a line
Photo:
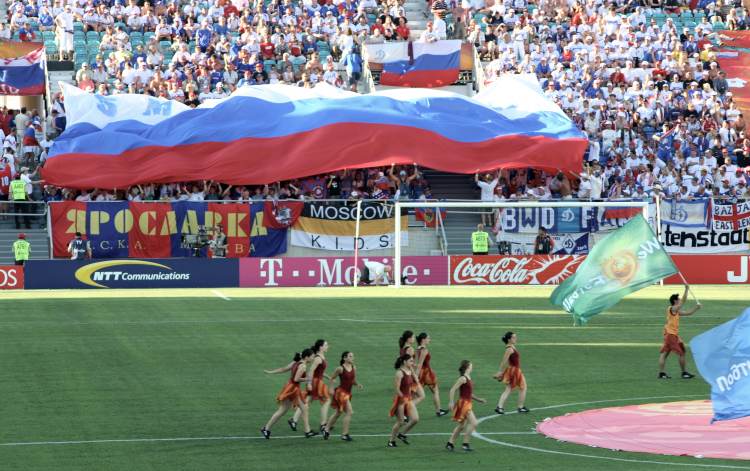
562	244
565	220
327	226
157	230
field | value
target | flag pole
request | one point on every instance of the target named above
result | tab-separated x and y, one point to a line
356	242
690	290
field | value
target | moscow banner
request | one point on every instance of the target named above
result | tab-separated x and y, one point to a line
327	226
121	229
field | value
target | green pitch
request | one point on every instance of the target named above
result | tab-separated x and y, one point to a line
172	380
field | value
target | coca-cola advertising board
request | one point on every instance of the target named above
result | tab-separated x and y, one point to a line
334	271
512	269
711	269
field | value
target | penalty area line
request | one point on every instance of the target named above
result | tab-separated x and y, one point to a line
227	438
221	295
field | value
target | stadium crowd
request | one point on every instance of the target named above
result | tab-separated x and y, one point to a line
642	81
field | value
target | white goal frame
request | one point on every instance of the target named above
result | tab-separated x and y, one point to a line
500	204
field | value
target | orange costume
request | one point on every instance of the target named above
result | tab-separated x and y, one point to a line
513	376
292	390
407	380
343	393
319	388
672	340
427	377
403	351
464	404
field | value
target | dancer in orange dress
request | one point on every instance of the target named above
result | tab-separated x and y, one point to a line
462	410
402	401
425	374
342	396
510	373
672	340
317	389
405	344
293	394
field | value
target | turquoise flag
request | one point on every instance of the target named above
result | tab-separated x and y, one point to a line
625	261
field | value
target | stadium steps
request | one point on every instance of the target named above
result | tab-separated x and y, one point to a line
415	15
458	225
55	76
37	238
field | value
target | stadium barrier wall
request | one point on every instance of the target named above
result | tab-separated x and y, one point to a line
334	271
11	277
711	269
554	269
337	271
133	273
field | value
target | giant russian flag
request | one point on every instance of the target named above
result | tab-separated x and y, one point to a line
267	133
417	64
21	68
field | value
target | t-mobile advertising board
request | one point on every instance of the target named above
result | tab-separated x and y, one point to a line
334	271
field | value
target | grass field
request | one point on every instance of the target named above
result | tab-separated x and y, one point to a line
172	380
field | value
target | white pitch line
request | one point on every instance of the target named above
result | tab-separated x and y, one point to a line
220	294
482	436
228	438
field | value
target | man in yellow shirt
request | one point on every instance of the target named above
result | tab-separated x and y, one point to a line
672	340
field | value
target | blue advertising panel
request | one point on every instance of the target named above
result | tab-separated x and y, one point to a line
133	273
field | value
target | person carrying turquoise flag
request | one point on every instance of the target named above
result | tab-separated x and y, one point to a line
625	261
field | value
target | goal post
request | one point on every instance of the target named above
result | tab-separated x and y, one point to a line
448	205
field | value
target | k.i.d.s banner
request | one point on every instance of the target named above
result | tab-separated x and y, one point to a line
326	226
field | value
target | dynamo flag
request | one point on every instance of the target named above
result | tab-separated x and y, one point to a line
625	261
21	68
418	64
267	133
722	356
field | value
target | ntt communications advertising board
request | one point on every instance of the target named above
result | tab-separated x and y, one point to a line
132	273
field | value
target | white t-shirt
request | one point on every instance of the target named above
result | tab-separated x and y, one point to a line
377	271
488	189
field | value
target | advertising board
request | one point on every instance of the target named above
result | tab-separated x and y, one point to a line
132	273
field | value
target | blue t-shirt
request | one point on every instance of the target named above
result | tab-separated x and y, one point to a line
203	37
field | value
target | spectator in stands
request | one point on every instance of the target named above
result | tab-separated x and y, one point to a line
64	31
428	35
543	243
487	189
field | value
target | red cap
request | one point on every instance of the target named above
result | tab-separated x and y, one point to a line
21	235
